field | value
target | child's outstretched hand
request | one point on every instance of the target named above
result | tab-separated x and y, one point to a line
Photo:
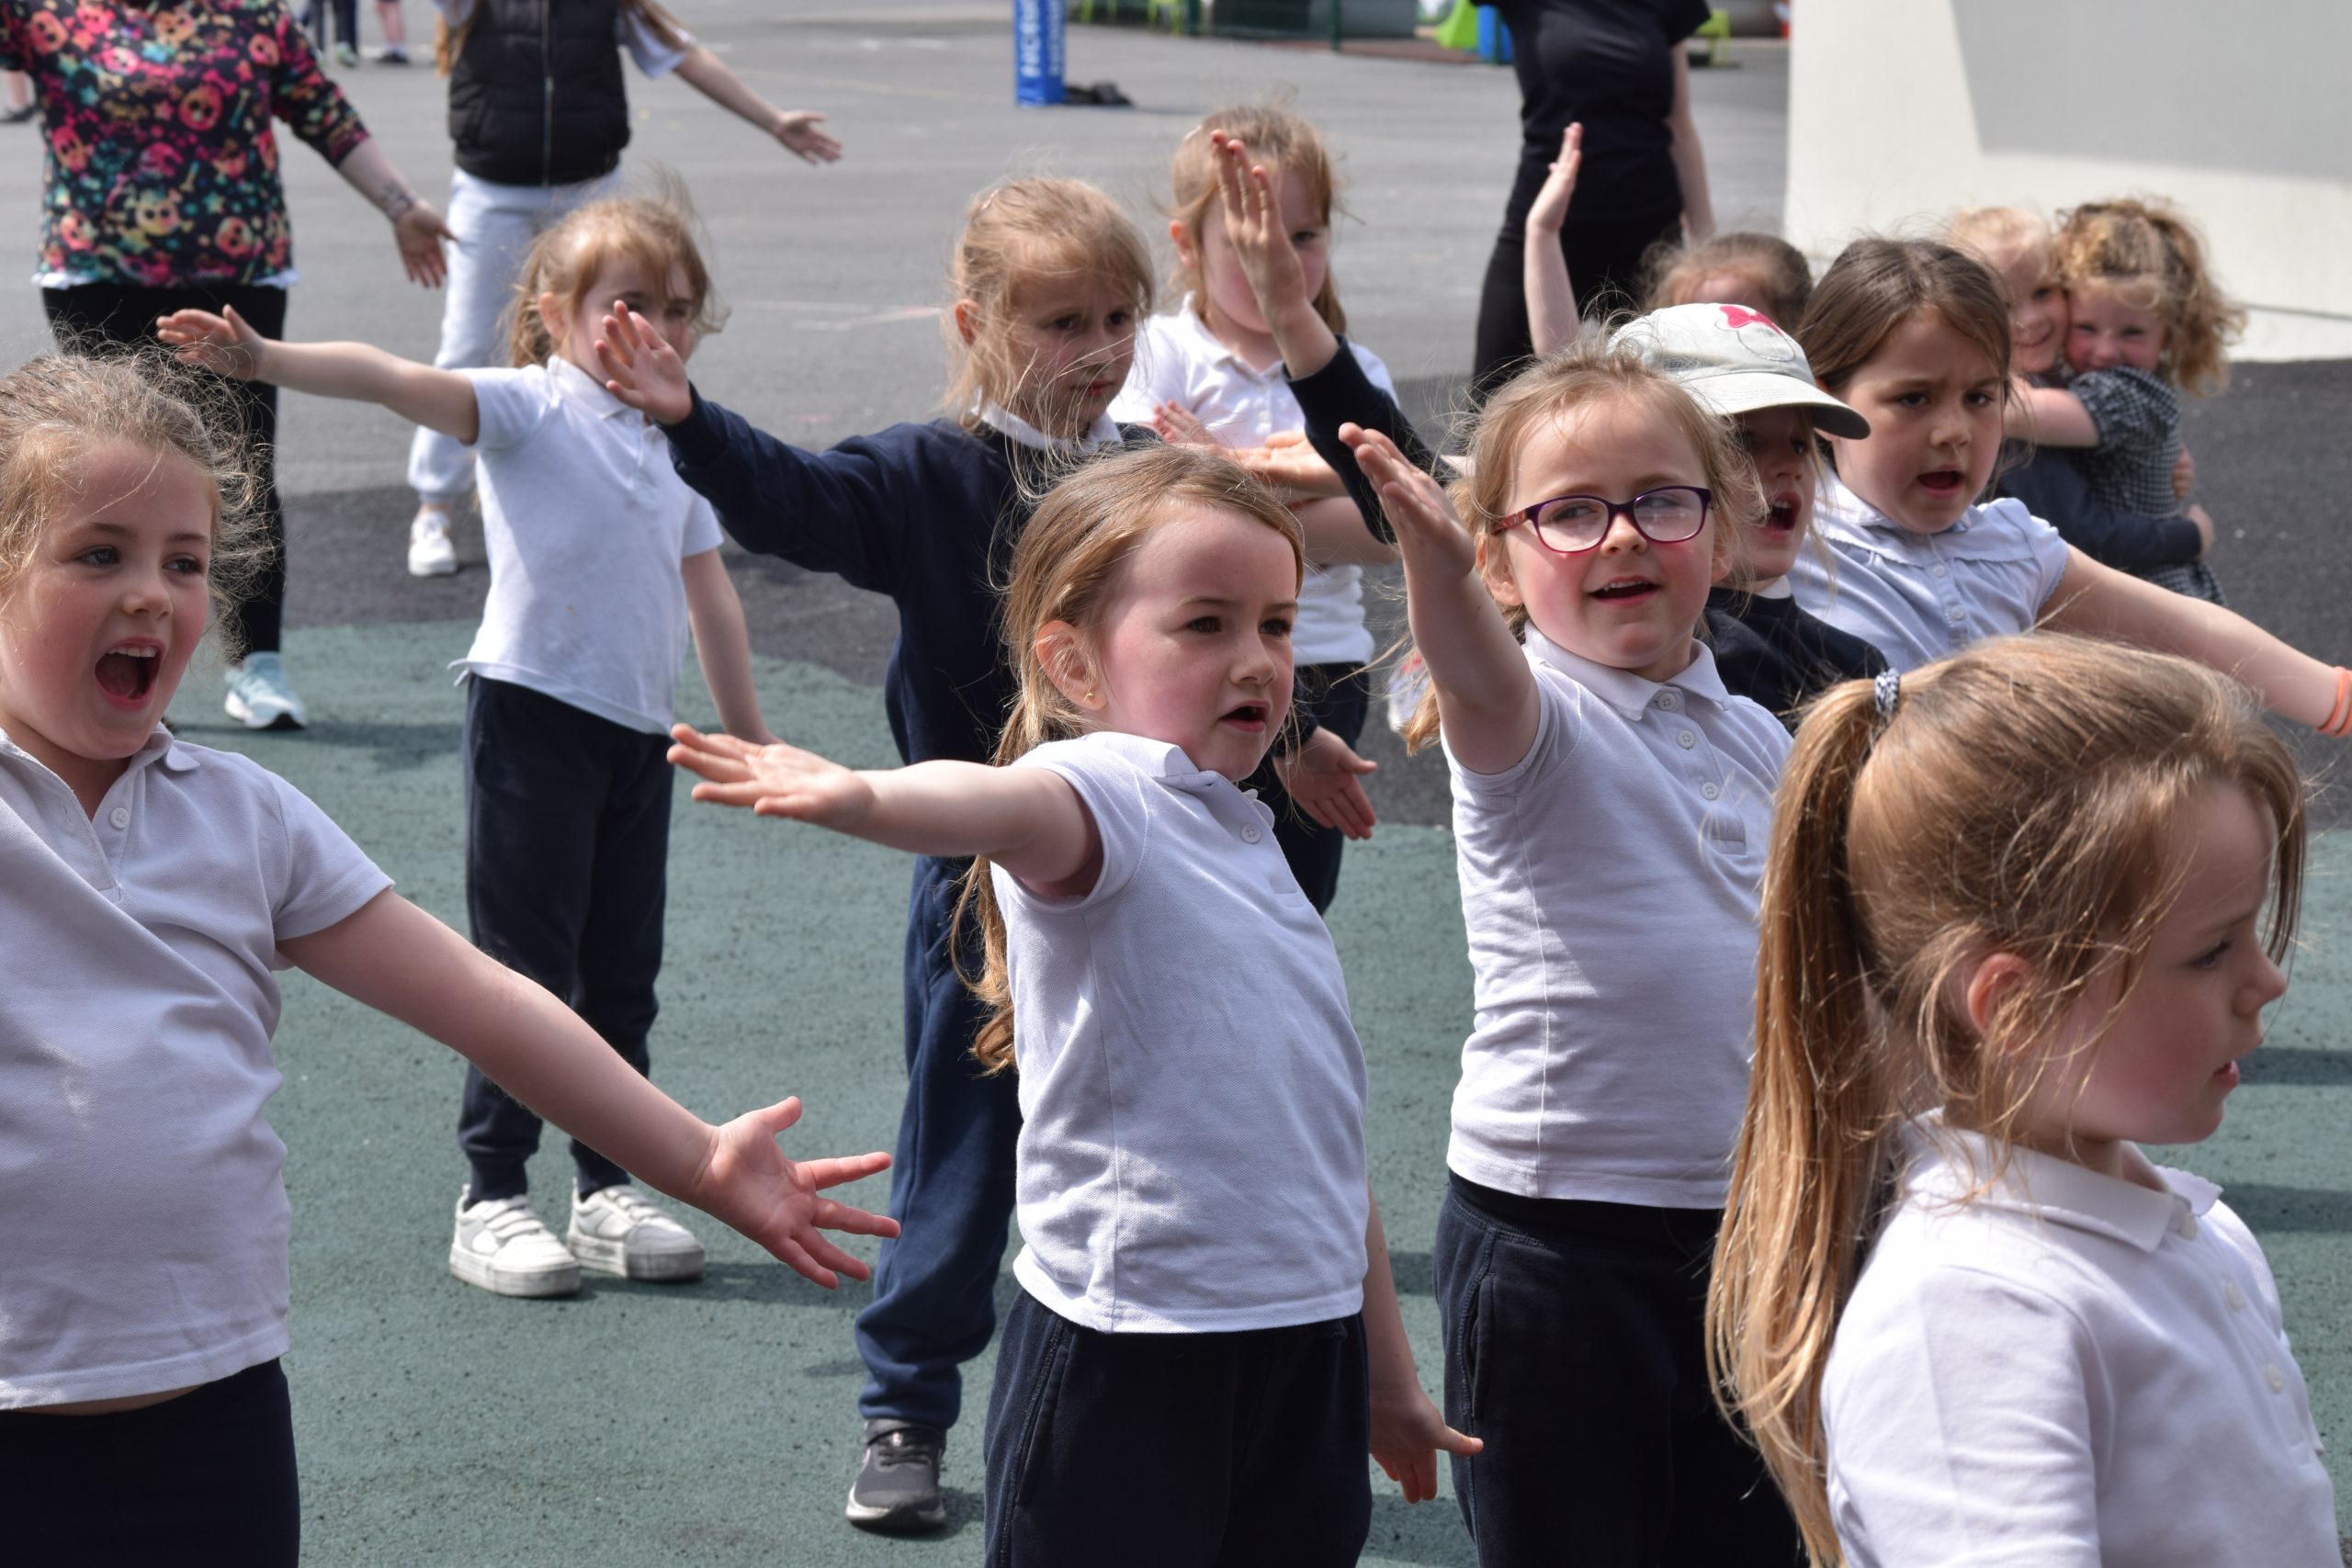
797	129
1253	223
1407	1434
225	344
642	369
1432	540
1551	209
1325	778
1180	426
775	1200
1290	465
774	781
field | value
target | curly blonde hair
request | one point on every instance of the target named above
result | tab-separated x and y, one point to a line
2150	256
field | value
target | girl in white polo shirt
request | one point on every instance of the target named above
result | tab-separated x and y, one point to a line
600	560
1211	371
149	890
2023	911
1915	337
1183	1378
1611	802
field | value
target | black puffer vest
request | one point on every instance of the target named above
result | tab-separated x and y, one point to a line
535	94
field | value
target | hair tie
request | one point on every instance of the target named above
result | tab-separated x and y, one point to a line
1886	692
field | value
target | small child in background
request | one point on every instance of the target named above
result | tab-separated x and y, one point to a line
1611	801
2024	910
2018	247
601	561
1212	369
151	890
2146	321
1206	1339
1746	370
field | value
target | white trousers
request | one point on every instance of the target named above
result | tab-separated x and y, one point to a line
495	225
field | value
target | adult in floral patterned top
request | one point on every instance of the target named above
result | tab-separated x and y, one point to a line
162	194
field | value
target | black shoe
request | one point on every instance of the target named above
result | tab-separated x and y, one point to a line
897	1489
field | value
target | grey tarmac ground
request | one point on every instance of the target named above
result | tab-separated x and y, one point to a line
715	1423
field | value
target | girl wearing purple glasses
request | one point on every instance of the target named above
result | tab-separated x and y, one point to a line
1611	806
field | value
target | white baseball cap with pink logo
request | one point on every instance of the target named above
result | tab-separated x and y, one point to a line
1736	361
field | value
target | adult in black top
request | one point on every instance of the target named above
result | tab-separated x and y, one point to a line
1617	67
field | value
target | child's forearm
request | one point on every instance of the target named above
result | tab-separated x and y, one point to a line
440	400
1025	819
1389	1351
1337	535
2048	416
1551	297
723	644
711	76
1304	338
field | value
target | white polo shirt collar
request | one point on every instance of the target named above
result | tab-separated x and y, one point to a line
1622	690
160	748
1949	1164
1845	504
1104	431
1211	348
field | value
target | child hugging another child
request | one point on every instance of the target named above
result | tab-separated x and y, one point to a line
2021	251
1206	1339
600	560
1612	801
2024	910
150	889
1212	370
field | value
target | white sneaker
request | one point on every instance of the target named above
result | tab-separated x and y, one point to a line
502	1246
430	553
616	1231
259	697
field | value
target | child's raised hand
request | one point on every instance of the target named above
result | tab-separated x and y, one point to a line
1325	779
1180	426
1407	1434
1429	536
1551	209
225	344
640	367
774	781
1253	223
748	1183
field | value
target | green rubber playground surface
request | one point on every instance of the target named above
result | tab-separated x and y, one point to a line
716	1423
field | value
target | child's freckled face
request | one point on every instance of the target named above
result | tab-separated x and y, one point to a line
667	304
1934	402
1778	442
1194	644
2038	320
2108	332
98	631
1629	601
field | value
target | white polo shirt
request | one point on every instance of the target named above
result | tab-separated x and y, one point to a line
144	1220
1920	597
2069	1370
586	520
1179	361
1191	1152
1609	886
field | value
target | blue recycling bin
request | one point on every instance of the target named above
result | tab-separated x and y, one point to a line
1037	51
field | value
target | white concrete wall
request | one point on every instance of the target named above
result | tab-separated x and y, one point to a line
1900	111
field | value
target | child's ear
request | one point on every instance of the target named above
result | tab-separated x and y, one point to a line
551	316
1494	570
1987	983
967	321
1069	664
1182	238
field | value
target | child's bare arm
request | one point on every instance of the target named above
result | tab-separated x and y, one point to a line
1407	1430
1486	694
1551	295
1336	534
2102	602
400	961
1028	820
797	129
228	345
2048	416
723	645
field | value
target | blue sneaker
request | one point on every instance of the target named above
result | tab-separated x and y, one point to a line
259	697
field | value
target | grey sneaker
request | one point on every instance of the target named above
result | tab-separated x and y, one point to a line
897	1489
502	1246
259	697
616	1231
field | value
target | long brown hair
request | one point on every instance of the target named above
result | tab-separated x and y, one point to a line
1877	284
2151	255
56	410
449	42
1063	569
1017	237
1547	391
1277	140
2024	798
656	230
